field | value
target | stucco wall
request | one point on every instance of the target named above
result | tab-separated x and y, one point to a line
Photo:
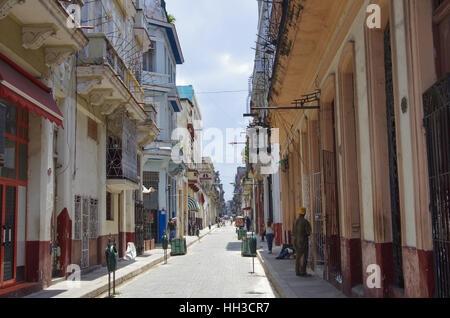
87	164
40	175
404	146
356	34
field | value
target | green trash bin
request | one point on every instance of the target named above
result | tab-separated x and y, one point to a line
248	246
241	234
253	243
178	247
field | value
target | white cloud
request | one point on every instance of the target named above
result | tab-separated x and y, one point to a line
231	66
182	81
216	39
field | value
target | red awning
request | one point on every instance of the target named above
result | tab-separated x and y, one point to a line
19	88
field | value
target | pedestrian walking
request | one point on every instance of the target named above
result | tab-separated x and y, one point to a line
171	228
269	235
301	233
247	223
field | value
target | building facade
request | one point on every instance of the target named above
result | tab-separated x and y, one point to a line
73	129
359	103
159	77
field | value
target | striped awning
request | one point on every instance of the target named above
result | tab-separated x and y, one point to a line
193	205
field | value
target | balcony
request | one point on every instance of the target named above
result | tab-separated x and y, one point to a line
106	82
159	149
158	153
44	23
148	131
157	81
140	31
121	154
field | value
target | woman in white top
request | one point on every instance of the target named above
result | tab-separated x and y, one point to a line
269	235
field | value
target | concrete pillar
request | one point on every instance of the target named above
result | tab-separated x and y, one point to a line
40	200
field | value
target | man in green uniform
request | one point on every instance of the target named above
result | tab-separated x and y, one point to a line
301	232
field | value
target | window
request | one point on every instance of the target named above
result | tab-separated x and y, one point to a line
169	71
149	59
109	204
92	129
14	131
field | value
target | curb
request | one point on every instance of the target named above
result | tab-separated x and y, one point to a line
269	275
104	289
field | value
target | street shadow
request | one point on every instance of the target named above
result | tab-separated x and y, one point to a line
255	293
144	255
47	294
234	246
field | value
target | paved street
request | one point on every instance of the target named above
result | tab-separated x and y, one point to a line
212	268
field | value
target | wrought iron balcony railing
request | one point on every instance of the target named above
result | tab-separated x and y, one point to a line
99	51
119	165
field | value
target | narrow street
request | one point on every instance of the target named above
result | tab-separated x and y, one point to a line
321	126
212	268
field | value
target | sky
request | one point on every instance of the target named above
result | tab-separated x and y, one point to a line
217	37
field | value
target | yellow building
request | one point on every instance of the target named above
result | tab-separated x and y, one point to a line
363	149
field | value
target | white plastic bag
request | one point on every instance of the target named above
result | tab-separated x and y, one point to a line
131	254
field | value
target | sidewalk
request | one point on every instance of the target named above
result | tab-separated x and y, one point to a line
95	283
281	274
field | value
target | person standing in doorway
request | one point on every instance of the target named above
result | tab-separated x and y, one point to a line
269	235
301	233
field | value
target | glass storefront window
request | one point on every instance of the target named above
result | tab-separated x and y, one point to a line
13	149
11	120
13	190
9	168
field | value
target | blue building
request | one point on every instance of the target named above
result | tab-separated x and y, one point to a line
161	99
